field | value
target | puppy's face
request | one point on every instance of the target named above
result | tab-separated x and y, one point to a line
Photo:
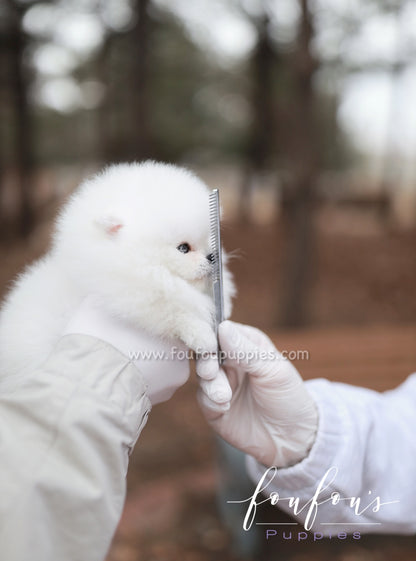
189	261
177	243
133	219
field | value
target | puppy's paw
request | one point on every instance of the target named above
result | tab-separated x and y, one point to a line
200	337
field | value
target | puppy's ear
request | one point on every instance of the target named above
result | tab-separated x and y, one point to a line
110	225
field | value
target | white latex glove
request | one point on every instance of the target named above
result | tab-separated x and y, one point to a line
164	365
271	416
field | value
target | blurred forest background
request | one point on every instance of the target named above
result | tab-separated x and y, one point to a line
302	112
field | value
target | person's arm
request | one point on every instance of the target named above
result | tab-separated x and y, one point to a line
65	437
66	431
368	437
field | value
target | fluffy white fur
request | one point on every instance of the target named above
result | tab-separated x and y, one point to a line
117	238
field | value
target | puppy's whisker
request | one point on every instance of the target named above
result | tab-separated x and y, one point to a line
237	254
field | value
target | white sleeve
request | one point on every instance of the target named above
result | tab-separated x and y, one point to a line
368	439
65	437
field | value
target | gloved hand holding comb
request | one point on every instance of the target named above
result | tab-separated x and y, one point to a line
270	415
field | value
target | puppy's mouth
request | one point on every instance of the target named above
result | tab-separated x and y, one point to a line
202	275
203	272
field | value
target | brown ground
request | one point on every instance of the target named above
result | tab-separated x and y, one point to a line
362	277
357	277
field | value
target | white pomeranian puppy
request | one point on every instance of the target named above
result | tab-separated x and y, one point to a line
137	237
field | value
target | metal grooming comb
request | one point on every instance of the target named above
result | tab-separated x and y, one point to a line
216	251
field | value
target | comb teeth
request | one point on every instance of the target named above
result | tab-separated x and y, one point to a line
214	216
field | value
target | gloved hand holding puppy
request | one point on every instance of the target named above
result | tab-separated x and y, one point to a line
257	401
162	369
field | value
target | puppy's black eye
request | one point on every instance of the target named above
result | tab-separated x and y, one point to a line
184	247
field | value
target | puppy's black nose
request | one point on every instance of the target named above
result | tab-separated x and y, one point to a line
210	258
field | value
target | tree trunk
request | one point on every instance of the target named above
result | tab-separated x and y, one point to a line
299	195
23	124
261	137
104	111
142	137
